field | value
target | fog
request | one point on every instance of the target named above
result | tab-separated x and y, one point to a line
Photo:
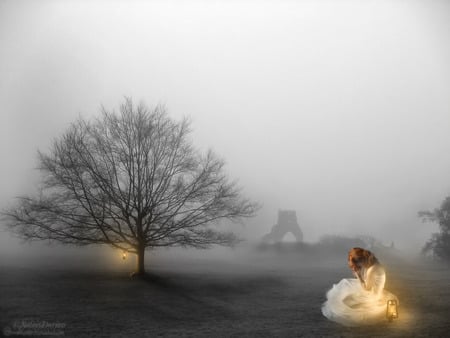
336	109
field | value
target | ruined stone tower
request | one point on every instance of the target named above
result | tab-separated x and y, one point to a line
287	222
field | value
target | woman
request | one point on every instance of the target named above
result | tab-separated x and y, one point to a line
361	300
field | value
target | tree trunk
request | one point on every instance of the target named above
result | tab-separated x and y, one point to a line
140	269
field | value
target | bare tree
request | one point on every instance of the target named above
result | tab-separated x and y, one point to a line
439	243
132	180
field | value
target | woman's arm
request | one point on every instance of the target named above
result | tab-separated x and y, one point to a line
375	278
360	278
369	283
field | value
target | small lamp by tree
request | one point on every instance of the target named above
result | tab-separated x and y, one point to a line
124	255
392	309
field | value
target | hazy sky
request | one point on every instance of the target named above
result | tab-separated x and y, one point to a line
337	109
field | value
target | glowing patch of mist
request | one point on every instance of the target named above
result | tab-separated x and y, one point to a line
289	238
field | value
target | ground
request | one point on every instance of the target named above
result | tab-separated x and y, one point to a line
273	294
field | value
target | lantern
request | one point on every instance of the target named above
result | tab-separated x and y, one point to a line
391	310
124	255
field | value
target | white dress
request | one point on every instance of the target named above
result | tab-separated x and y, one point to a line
350	304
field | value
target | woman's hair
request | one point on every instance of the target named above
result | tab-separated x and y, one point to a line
362	257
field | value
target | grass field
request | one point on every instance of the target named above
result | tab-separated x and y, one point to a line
267	295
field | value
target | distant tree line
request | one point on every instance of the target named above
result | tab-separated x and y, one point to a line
331	244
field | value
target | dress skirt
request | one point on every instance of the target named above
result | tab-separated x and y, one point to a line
349	304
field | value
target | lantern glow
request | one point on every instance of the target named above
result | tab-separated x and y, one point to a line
391	310
124	255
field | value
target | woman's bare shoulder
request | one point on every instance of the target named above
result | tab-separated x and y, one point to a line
376	269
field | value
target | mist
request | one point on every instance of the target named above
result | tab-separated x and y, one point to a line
337	110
